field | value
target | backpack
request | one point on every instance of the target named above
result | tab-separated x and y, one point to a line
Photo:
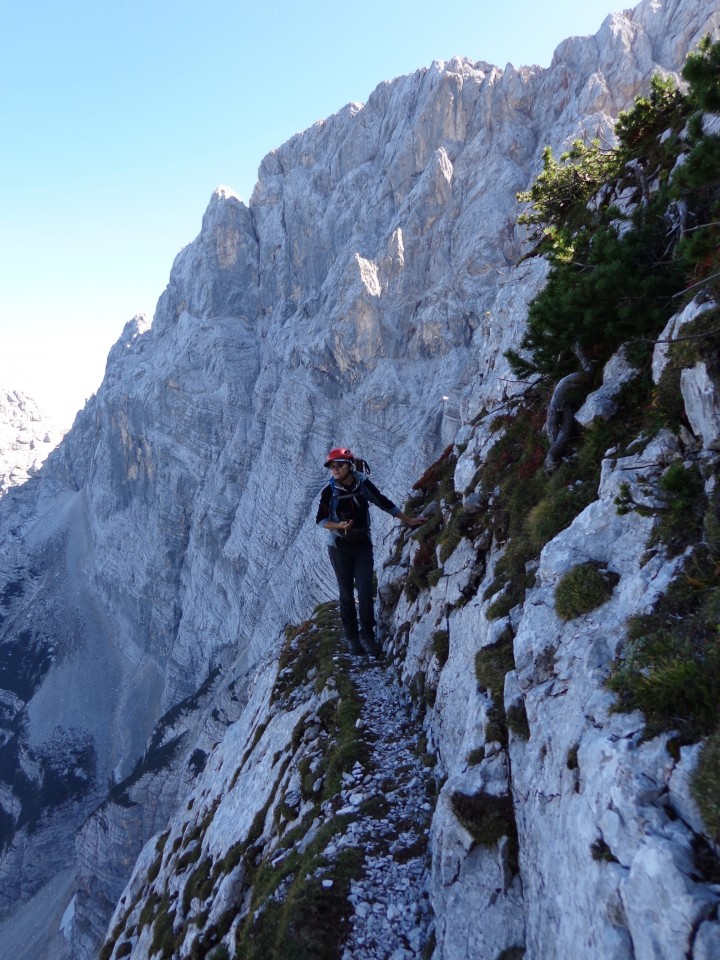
362	467
361	471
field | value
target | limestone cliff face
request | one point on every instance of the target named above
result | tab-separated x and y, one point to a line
365	296
604	864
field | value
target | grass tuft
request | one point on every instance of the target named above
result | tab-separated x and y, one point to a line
706	785
441	646
582	589
670	668
487	819
493	663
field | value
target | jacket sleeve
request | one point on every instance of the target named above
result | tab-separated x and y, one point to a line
323	510
379	499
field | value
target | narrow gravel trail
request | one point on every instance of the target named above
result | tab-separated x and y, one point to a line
392	919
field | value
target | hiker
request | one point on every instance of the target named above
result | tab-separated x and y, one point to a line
344	512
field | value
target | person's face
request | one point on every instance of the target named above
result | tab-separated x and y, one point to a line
340	470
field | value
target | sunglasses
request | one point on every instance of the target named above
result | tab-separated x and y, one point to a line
338	464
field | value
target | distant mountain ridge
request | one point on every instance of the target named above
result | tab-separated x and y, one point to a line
26	438
365	296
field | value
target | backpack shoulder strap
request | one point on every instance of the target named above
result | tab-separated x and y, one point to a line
333	499
360	481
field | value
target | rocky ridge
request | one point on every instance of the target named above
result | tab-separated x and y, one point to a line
368	291
341	835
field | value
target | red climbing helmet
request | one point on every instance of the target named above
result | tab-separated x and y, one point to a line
340	455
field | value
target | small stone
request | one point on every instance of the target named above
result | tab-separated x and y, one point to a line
400	954
415	939
311	733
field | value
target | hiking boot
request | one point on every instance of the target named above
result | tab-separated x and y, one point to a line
356	648
370	646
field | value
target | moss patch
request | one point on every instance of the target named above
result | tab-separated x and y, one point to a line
308	919
307	652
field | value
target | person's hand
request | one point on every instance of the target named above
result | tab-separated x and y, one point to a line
345	524
415	521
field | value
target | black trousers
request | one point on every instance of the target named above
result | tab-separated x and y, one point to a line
353	566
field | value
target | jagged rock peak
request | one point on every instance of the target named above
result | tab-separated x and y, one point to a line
225	193
27	436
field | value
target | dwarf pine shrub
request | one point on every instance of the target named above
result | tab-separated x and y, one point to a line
615	275
684	499
599	272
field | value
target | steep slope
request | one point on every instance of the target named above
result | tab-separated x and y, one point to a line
372	276
318	837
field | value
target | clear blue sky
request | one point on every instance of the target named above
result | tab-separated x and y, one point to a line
119	117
